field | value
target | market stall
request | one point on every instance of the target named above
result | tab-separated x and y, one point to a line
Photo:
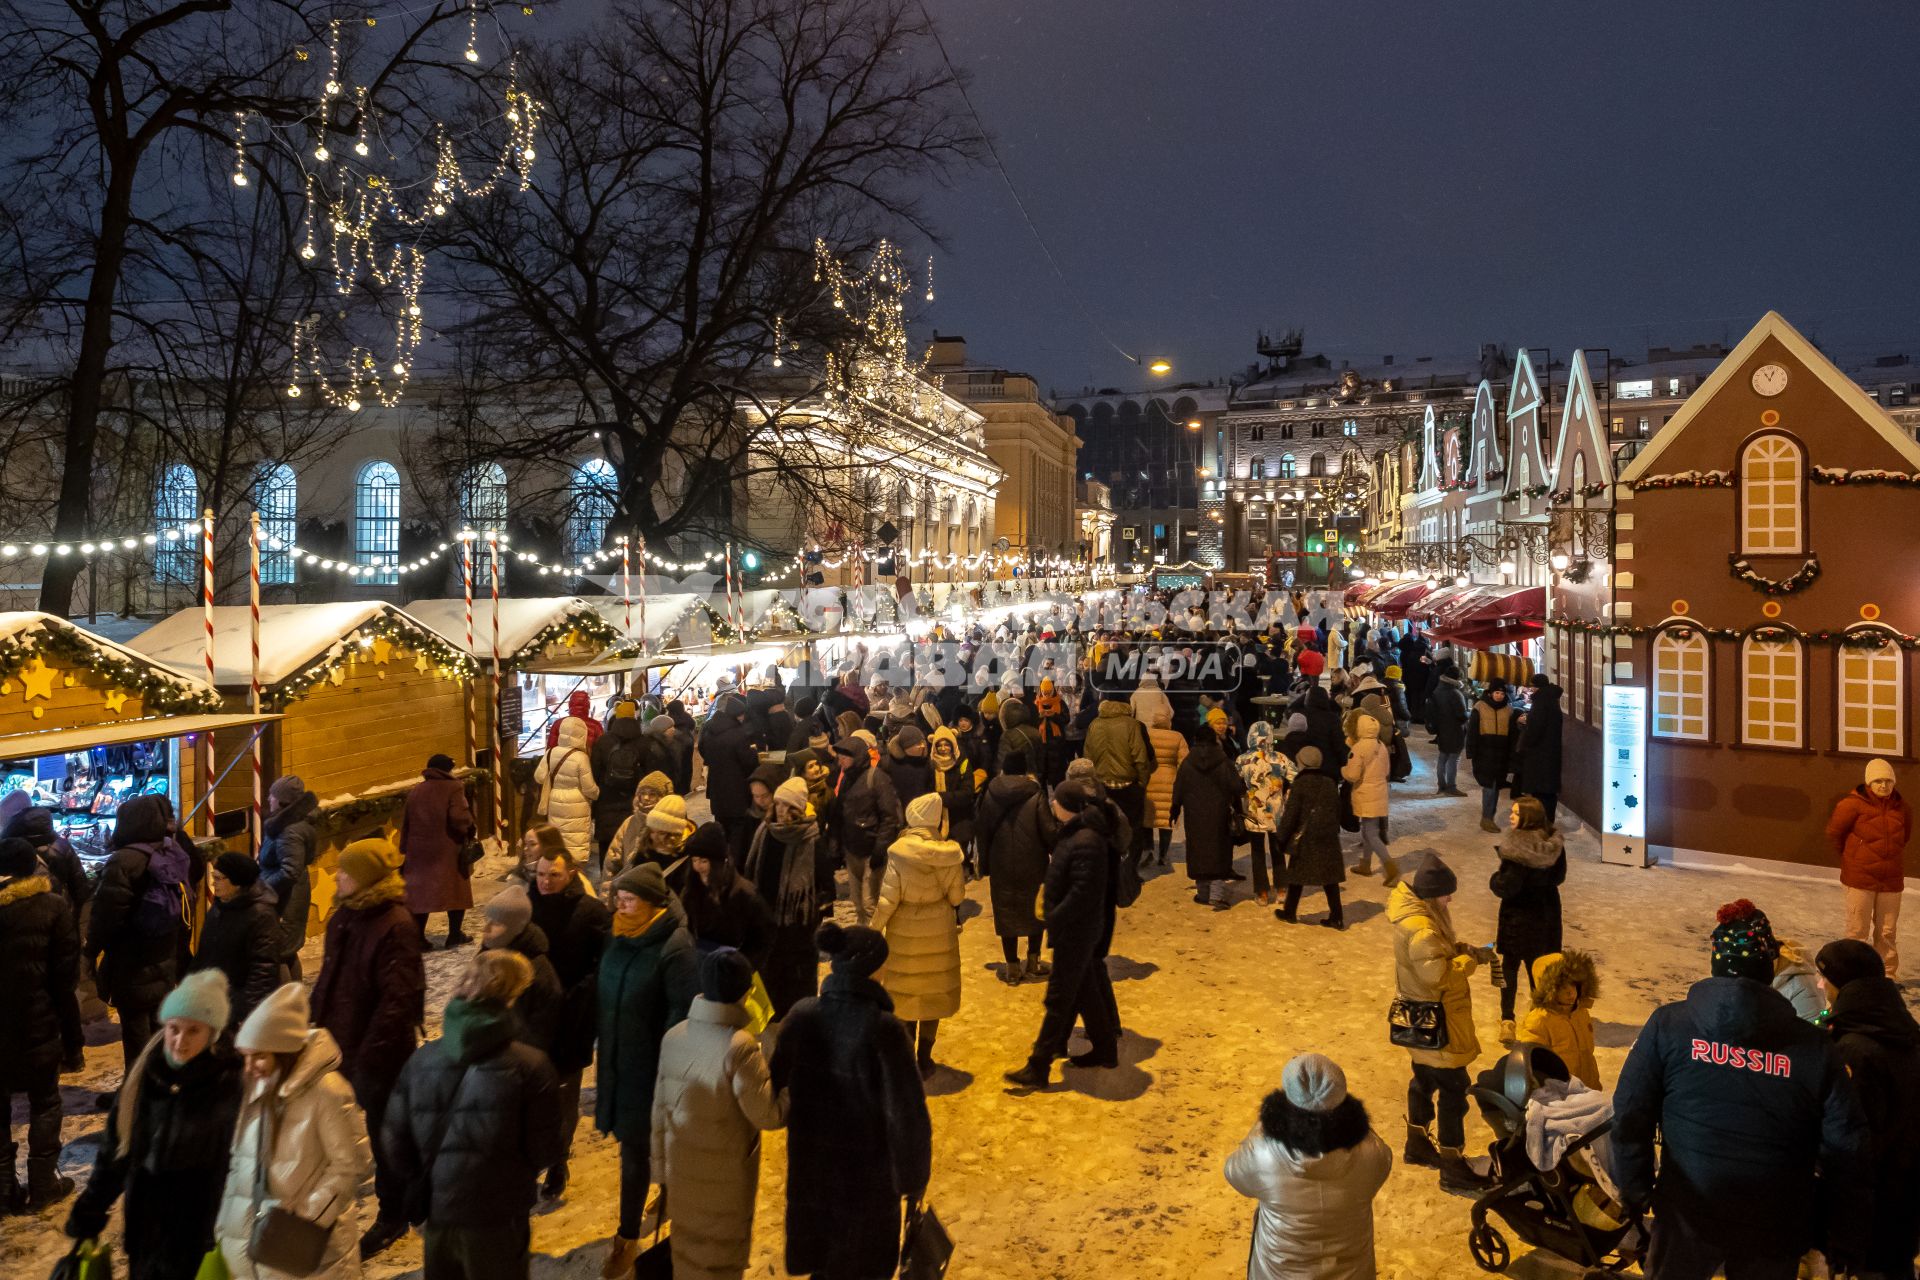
85	724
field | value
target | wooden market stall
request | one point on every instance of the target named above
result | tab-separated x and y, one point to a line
86	723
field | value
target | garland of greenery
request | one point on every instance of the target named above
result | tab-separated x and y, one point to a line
1533	492
1841	475
1686	480
587	623
160	693
1799	580
331	820
385	626
1870	637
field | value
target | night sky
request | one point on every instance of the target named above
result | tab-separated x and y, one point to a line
1417	178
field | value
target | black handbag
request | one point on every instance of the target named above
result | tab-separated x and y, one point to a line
1417	1024
657	1262
282	1240
928	1249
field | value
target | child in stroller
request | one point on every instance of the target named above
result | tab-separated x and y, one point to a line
1563	1208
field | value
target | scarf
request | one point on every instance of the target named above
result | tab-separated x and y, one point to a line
794	903
626	926
390	888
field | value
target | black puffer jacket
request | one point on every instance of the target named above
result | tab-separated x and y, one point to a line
1013	830
865	816
1536	765
140	947
727	747
286	851
39	967
1309	832
576	926
35	826
1875	1038
245	940
1078	898
493	1102
542	1005
1533	866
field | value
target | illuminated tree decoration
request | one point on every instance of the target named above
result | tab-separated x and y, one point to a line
877	371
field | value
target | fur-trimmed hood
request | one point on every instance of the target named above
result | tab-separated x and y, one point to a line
22	888
1553	973
1536	847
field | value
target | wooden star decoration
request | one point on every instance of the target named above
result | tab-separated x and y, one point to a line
115	701
36	679
421	664
382	650
338	675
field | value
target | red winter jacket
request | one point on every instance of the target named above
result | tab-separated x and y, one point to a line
1870	837
580	705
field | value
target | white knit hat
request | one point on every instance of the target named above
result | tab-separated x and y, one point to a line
1879	771
926	812
278	1024
794	792
669	815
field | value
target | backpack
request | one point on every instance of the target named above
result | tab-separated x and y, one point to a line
623	765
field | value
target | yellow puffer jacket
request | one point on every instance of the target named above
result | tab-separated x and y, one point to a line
924	882
1568	1032
1169	749
1429	963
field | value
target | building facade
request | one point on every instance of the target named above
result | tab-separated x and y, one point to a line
1154	450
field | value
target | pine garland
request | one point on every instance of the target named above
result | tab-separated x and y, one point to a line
587	623
1799	580
390	627
1686	480
160	693
1841	475
1871	636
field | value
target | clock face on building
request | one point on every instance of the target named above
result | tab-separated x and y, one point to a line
1769	380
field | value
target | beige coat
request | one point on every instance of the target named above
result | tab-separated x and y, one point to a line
1368	764
318	1159
713	1098
1315	1214
1150	702
923	884
566	783
1429	963
1169	749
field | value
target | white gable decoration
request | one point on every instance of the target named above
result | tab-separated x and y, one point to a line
1581	431
1485	459
1429	456
1523	425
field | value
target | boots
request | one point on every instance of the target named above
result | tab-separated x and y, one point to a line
556	1184
1488	824
1389	873
13	1195
1457	1175
1507	1031
380	1237
1034	1075
45	1186
1420	1150
1037	968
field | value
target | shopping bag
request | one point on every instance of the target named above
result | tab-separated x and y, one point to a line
928	1249
213	1266
759	1006
657	1262
87	1260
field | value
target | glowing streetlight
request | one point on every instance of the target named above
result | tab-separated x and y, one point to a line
1509	568
1193	424
1161	367
1560	562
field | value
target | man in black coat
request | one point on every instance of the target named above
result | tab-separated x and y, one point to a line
473	1120
1750	1104
577	925
1447	713
1416	670
727	747
1537	754
1324	730
286	851
57	858
1078	904
863	821
242	935
40	1017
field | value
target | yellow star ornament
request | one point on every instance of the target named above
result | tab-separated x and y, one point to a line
421	664
115	700
36	679
382	650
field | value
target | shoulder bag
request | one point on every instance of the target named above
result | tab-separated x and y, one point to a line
1417	1024
928	1249
282	1240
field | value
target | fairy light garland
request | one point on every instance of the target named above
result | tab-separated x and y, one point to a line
159	693
449	662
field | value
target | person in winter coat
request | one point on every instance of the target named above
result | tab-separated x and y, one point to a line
923	886
1123	760
1209	795
58	862
1537	768
761	784
954	781
1013	830
1313	1165
1416	666
647	982
1877	1041
859	1139
1366	770
288	843
723	908
1149	700
621	757
713	1098
1795	978
864	820
576	925
169	1135
579	707
137	934
1307	835
475	1118
1489	747
630	838
1051	722
370	996
39	970
1868	833
539	1003
727	748
435	825
1565	985
1431	966
298	1121
1447	713
1264	772
906	765
1169	753
1018	734
1749	1152
568	788
242	934
787	864
1533	866
1078	905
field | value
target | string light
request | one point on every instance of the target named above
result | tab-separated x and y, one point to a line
239	148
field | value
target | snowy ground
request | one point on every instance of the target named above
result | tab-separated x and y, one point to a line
1117	1173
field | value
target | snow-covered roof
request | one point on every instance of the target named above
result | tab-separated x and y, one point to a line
16	623
662	614
521	619
291	636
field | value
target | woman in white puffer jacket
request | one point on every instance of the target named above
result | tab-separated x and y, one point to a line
298	1114
567	787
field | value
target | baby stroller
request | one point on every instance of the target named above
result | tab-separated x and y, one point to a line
1562	1210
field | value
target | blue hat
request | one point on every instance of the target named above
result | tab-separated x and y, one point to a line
200	997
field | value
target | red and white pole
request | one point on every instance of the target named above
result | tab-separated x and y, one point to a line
626	582
206	599
466	585
643	607
499	755
253	682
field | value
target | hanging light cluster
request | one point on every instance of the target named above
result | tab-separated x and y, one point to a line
879	372
369	221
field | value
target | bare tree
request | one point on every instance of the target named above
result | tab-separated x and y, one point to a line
694	152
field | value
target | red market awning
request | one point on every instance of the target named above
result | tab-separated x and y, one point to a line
1359	596
1397	600
1438	602
1490	636
1496	606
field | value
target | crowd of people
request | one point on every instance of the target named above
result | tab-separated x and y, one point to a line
681	961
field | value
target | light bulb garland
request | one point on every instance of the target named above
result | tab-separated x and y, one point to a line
448	662
160	693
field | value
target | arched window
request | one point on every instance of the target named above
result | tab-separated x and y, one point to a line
1349	428
176	510
483	506
1579	481
1771	476
376	520
590	502
1257	469
1317	465
1872	680
1680	685
276	497
1770	680
1289	469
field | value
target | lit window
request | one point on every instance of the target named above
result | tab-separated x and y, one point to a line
376	520
176	509
1570	642
1349	428
1870	686
1289	469
483	506
1257	469
1680	685
1770	693
276	497
1673	386
1770	497
590	508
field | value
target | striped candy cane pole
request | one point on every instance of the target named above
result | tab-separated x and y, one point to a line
643	602
206	599
466	586
626	583
253	638
499	755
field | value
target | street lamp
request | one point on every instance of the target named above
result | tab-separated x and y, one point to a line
1509	568
1560	562
1193	424
1160	367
